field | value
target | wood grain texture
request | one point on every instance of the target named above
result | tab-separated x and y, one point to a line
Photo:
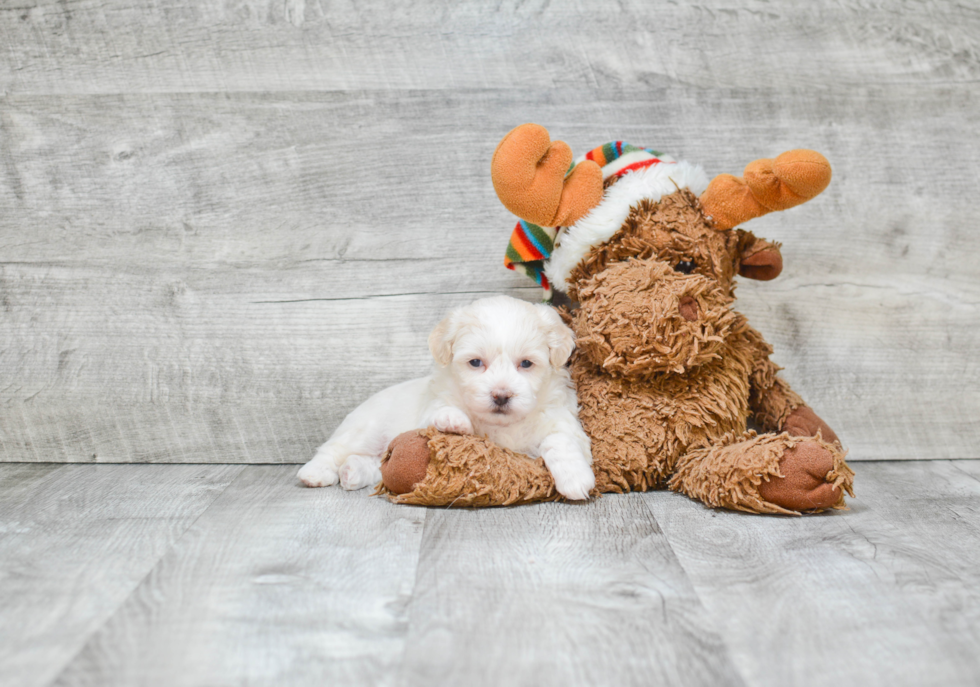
267	386
102	46
75	541
557	594
885	594
276	584
107	578
222	277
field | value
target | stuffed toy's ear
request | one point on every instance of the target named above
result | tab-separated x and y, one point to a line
528	172
561	340
760	259
764	265
441	340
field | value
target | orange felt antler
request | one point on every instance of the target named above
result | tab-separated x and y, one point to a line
768	185
528	172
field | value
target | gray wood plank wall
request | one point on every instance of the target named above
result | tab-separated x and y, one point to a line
222	225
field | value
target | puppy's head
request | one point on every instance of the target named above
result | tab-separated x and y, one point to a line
499	353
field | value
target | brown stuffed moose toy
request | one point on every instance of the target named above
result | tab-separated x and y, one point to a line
646	251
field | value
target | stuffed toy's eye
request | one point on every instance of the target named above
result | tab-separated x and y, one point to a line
476	362
685	266
526	364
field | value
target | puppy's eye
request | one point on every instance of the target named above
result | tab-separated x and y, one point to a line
685	266
476	362
526	364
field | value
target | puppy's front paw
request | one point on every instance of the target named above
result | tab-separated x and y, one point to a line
452	421
317	473
573	480
359	472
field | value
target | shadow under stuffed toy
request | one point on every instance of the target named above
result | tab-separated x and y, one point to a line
667	374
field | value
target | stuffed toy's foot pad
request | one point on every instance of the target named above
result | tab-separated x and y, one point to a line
405	463
803	422
804	485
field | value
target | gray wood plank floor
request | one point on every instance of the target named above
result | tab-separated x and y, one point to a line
75	542
213	575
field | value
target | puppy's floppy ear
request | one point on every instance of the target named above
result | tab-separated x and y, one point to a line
561	340
441	340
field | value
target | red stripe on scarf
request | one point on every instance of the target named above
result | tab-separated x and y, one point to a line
526	249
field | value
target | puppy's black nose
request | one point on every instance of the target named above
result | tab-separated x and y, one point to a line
500	398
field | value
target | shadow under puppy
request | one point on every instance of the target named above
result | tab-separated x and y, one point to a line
500	373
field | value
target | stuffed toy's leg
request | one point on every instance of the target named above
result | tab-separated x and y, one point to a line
768	473
428	468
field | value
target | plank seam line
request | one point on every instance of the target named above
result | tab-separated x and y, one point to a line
962	471
415	582
410	260
385	295
694	589
47	477
71	659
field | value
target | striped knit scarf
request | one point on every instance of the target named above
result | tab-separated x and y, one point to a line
531	245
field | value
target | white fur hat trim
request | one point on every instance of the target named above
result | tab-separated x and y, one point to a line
606	218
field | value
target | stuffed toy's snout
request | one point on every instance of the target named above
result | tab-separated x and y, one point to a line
641	317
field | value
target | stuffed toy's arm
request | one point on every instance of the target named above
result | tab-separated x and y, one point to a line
774	405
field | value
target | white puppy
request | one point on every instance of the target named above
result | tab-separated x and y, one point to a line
500	373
